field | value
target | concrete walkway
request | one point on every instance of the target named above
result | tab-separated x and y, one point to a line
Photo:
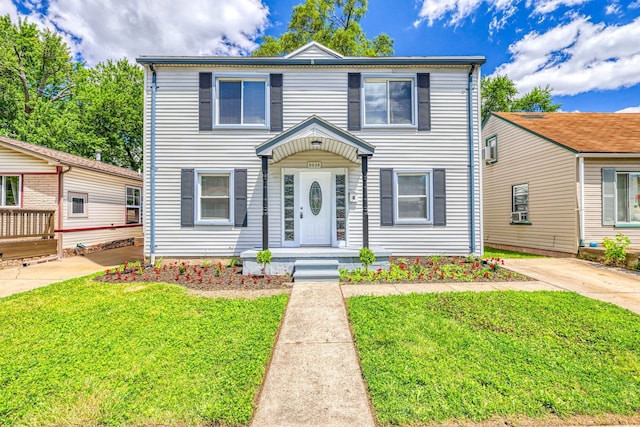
314	378
21	279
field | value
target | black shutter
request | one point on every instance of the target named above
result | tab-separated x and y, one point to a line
276	101
240	197
439	197
206	106
608	196
353	109
386	196
186	198
424	102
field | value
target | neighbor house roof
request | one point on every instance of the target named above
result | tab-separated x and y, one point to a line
583	132
59	157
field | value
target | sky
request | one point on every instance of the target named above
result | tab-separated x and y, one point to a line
586	51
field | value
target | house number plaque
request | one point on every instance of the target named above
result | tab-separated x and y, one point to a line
314	165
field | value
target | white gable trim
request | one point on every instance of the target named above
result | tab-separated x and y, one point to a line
328	52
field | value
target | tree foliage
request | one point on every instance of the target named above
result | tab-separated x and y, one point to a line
499	93
333	23
49	98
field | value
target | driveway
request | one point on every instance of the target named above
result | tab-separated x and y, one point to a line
21	279
586	278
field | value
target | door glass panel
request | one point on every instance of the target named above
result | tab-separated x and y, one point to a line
315	198
289	212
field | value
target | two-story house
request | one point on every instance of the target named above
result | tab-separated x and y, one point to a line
312	150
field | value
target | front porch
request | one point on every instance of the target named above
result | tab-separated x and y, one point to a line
284	259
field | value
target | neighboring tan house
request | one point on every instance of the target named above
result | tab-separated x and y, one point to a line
52	201
556	181
312	150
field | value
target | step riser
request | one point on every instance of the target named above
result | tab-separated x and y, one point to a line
316	271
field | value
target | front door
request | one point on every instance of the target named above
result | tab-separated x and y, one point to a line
315	208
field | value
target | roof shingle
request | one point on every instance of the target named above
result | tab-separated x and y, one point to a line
583	132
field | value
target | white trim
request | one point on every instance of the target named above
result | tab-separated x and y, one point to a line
628	173
581	224
196	176
311	44
3	191
252	77
127	206
429	197
85	204
386	78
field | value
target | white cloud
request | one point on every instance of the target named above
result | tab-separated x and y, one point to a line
612	9
543	7
630	110
103	30
576	57
433	10
635	5
7	7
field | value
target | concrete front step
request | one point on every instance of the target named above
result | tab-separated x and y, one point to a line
316	270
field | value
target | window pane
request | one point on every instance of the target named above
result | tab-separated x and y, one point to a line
214	208
412	185
12	190
634	200
400	102
133	196
622	183
520	197
375	103
77	205
214	185
254	103
412	208
133	215
230	103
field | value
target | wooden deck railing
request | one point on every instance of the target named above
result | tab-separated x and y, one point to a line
22	223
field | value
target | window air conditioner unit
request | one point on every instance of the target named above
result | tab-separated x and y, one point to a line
489	153
518	216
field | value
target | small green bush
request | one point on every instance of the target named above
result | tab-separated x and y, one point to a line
615	252
367	257
264	258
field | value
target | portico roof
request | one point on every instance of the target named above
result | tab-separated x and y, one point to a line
315	133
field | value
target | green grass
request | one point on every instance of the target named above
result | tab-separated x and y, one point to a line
87	353
490	252
495	355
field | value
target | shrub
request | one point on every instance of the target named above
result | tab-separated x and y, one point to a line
264	257
615	252
367	257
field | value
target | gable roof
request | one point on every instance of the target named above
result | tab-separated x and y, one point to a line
583	132
316	48
59	157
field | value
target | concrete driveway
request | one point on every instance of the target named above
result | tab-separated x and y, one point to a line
586	278
21	279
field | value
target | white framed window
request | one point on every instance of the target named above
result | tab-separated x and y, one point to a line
241	101
10	189
627	197
214	192
413	197
389	101
520	203
490	153
78	205
133	205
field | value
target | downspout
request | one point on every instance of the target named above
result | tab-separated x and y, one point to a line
581	208
60	206
472	186
152	166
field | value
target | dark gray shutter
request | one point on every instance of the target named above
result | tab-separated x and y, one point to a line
276	101
608	196
353	112
240	197
206	106
439	197
386	196
424	102
186	198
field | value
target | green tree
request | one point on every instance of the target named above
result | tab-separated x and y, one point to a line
499	93
333	23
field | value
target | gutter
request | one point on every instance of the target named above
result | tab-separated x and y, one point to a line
152	157
581	224
472	186
60	205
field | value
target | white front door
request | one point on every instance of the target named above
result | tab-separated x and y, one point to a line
315	208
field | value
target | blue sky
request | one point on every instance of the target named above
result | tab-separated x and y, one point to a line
587	51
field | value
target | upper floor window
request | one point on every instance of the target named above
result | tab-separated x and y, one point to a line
133	202
10	190
388	101
242	101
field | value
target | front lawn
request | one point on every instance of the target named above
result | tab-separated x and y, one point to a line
87	353
496	356
490	252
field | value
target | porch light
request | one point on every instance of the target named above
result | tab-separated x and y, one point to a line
316	143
